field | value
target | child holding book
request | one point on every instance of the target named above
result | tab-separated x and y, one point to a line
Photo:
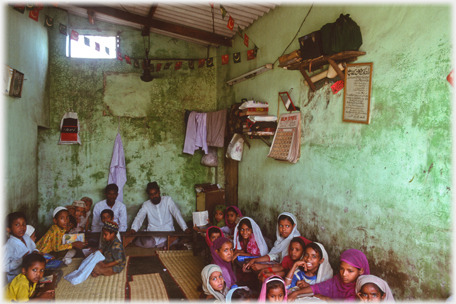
22	287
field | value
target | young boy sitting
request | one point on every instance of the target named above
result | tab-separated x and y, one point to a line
107	216
113	252
52	241
18	245
22	288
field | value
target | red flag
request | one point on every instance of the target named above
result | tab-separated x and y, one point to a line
211	4
74	35
39	6
119	56
246	40
178	65
225	59
127	59
201	63
159	65
450	77
250	54
97	46
34	14
230	24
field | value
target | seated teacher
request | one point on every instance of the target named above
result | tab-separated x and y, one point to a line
160	211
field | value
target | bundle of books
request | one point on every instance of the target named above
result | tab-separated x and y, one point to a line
261	111
260	125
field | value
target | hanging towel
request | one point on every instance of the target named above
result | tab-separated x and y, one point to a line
85	269
216	122
118	170
196	134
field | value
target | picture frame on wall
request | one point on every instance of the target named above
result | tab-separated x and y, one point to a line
7	77
16	84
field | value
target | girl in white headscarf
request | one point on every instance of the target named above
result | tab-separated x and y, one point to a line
286	230
370	288
214	285
248	239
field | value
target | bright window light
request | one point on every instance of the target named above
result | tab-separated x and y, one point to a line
78	49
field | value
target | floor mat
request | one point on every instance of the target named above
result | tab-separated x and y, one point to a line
185	269
101	288
148	287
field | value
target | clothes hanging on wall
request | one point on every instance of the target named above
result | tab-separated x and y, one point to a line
118	169
216	122
196	134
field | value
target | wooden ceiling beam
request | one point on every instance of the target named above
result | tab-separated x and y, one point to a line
161	25
146	29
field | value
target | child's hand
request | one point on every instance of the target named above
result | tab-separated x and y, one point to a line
301	263
322	297
302	284
79	244
49	294
292	296
248	264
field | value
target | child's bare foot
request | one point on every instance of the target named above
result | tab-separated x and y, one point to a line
94	274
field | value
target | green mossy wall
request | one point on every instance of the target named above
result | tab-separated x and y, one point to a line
383	188
152	144
25	48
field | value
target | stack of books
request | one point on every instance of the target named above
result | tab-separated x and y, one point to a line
251	113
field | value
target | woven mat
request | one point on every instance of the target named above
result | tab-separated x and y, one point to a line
185	269
148	287
101	288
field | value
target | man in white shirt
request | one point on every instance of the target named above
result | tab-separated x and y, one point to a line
119	209
159	211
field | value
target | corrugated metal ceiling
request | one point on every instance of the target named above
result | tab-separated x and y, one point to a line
189	15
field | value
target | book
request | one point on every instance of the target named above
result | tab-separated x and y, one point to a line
47	279
200	218
73	237
53	264
253	104
256	118
260	113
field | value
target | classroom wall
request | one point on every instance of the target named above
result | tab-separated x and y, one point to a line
25	47
151	124
383	188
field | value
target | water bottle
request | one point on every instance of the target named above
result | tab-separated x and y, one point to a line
242	258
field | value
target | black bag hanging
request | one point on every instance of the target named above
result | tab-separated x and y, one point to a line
342	35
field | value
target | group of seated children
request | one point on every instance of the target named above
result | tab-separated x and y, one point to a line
295	267
24	261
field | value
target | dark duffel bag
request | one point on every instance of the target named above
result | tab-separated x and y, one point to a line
342	35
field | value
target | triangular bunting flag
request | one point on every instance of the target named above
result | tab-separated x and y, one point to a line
127	59
34	15
74	35
159	65
211	4
39	6
119	56
230	24
239	31
178	65
201	63
246	40
107	50
19	8
191	64
250	55
237	57
49	22
210	62
255	51
62	29
97	46
86	41
223	10
30	6
225	59
167	65
136	63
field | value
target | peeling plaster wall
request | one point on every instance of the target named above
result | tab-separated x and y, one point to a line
383	188
26	50
153	144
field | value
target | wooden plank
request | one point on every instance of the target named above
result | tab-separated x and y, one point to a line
161	25
318	62
336	68
146	29
309	81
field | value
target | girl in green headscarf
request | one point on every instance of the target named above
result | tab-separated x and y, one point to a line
219	216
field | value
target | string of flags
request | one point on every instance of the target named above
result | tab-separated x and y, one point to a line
34	10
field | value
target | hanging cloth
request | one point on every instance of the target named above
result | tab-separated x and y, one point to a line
118	170
196	134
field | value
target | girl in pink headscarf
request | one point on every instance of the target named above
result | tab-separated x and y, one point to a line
222	255
232	217
353	263
273	290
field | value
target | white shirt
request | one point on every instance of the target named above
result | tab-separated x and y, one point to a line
13	251
120	215
160	217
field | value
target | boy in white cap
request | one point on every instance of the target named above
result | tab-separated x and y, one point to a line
52	240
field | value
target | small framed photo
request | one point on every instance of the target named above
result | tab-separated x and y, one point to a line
286	99
16	84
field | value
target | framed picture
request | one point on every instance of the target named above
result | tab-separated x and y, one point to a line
286	99
16	84
7	77
357	93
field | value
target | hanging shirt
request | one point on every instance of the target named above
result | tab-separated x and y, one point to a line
196	134
13	251
120	215
118	169
159	217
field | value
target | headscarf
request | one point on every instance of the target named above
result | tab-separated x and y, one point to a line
325	272
227	270
258	237
264	293
281	244
364	279
222	222
208	240
207	288
239	214
229	295
335	288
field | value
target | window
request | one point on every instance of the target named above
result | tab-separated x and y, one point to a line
78	49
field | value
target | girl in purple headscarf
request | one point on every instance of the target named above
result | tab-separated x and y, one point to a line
353	263
222	255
